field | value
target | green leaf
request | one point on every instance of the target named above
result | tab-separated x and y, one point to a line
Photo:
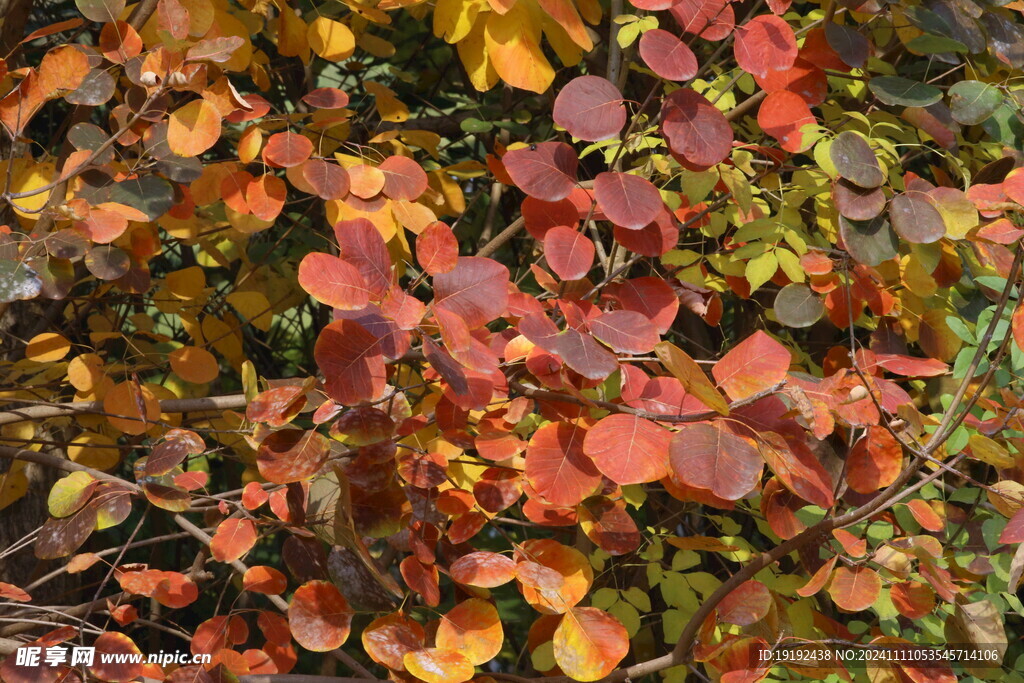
797	306
972	102
896	90
475	125
18	281
760	269
932	45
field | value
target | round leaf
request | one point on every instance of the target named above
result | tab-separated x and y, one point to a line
590	108
797	306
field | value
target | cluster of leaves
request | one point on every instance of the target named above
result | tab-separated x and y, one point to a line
718	359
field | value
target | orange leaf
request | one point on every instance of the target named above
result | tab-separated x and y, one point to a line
473	628
589	643
435	665
193	129
855	588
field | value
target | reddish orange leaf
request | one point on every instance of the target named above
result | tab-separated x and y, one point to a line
291	455
319	616
233	539
287	149
267	580
333	281
706	456
755	364
435	665
484	569
389	638
874	461
628	449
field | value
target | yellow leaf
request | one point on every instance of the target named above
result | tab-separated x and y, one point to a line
28	176
513	42
48	346
424	139
453	19
473	53
689	374
254	307
13	483
194	364
389	107
564	14
292	39
376	46
249	144
331	39
187	283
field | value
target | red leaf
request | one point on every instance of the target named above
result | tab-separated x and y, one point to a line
233	539
115	659
590	108
909	366
627	200
333	281
351	360
541	216
706	456
291	455
319	616
710	19
546	171
855	588
625	331
579	351
805	78
421	578
437	250
287	149
1013	532
326	98
650	296
556	466
797	469
782	115
746	605
765	43
606	523
667	56
476	290
403	178
695	129
9	591
569	252
874	461
628	449
363	246
330	181
755	364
